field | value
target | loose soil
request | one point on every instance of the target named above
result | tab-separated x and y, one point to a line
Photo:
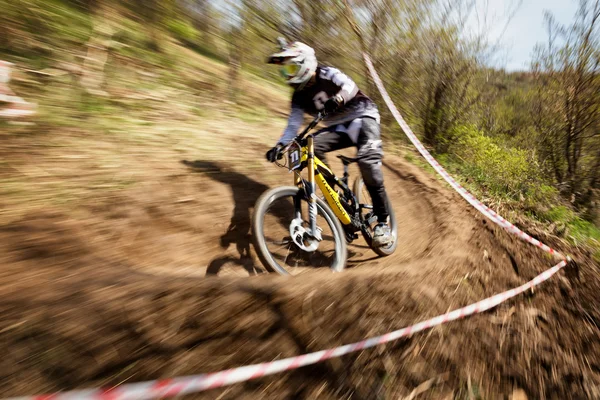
160	280
126	255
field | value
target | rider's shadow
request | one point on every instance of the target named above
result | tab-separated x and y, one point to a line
245	193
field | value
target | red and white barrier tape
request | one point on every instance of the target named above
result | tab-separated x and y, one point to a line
490	214
197	383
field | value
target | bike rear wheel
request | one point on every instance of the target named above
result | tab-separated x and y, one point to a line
275	220
364	198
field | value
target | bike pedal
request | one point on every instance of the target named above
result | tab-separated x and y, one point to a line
351	236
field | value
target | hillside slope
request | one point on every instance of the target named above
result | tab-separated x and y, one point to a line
107	239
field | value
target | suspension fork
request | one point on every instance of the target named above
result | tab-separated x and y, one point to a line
298	199
312	189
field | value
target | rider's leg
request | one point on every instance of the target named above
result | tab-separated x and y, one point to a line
328	140
370	154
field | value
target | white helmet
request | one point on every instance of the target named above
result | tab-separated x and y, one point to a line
298	63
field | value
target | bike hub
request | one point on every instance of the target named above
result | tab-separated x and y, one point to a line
302	238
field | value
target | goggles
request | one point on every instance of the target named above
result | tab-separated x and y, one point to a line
289	70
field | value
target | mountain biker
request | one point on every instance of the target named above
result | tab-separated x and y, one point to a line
352	120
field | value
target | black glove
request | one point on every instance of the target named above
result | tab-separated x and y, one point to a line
333	104
274	154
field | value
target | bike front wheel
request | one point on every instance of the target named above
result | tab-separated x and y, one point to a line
280	226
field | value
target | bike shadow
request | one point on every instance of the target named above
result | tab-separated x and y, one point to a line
245	192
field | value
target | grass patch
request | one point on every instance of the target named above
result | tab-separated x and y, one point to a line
253	115
577	230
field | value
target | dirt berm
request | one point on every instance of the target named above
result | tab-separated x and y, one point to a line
117	292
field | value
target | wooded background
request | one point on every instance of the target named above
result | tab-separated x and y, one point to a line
528	141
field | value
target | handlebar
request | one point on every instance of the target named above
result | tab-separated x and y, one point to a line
310	126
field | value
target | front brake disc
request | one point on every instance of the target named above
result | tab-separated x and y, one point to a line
301	237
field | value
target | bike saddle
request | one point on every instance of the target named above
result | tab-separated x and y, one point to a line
347	160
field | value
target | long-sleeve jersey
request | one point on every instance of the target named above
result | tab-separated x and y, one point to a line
311	99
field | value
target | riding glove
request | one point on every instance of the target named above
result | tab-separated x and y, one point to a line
333	103
274	154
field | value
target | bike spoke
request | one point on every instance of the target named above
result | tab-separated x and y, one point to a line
283	242
285	252
287	255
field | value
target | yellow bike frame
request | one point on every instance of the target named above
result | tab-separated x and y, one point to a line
315	176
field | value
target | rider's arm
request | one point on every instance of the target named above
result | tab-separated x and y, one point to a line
348	88
294	122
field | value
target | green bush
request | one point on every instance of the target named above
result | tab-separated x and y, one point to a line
503	171
182	30
131	34
508	173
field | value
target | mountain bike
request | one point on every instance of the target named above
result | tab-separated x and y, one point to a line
295	231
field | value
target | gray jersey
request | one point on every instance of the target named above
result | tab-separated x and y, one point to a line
311	99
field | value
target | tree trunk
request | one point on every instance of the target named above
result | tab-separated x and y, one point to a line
235	63
92	76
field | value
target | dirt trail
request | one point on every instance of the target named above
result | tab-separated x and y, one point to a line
120	293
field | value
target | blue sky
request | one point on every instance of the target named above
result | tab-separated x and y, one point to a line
524	30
